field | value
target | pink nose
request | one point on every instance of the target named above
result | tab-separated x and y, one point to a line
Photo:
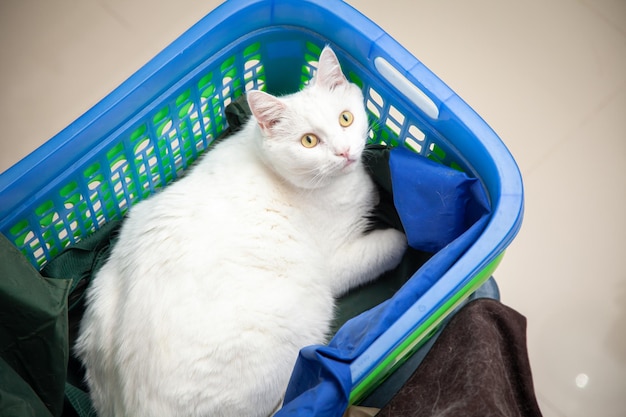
345	153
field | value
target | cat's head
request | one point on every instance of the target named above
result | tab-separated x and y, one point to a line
317	134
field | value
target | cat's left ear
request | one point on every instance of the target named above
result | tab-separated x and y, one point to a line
329	72
267	109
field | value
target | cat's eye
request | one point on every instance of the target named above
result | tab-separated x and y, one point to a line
309	140
346	118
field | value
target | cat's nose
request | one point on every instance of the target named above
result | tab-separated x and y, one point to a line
344	153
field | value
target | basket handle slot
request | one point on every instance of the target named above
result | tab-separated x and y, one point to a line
410	90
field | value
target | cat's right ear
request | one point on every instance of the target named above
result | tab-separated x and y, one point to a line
267	109
329	72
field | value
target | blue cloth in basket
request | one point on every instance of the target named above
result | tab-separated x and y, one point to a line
442	210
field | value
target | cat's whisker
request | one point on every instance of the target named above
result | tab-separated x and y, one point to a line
317	180
374	125
374	128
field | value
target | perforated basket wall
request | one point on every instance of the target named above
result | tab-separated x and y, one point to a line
152	152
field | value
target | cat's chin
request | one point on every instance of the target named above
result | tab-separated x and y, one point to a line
349	165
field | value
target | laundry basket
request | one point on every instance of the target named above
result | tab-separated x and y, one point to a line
152	127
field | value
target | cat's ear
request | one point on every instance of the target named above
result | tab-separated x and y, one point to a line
267	109
329	72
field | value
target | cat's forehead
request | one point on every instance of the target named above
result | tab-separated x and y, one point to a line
313	103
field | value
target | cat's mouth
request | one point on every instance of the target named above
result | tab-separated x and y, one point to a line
348	164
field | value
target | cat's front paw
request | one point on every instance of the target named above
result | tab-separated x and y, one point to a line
393	245
366	258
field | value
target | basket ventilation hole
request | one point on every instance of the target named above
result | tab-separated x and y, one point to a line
251	63
416	133
373	109
376	97
413	145
92	185
391	124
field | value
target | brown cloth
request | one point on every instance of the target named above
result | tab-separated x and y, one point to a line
478	367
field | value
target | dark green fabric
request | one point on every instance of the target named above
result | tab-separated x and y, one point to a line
36	327
79	263
79	401
33	336
237	114
17	397
376	161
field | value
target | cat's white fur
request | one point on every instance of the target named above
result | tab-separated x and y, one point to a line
217	281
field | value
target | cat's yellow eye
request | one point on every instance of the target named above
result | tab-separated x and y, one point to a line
346	118
309	140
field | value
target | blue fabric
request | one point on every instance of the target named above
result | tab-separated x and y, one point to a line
442	210
436	204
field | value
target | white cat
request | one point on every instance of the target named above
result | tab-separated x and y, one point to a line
218	281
